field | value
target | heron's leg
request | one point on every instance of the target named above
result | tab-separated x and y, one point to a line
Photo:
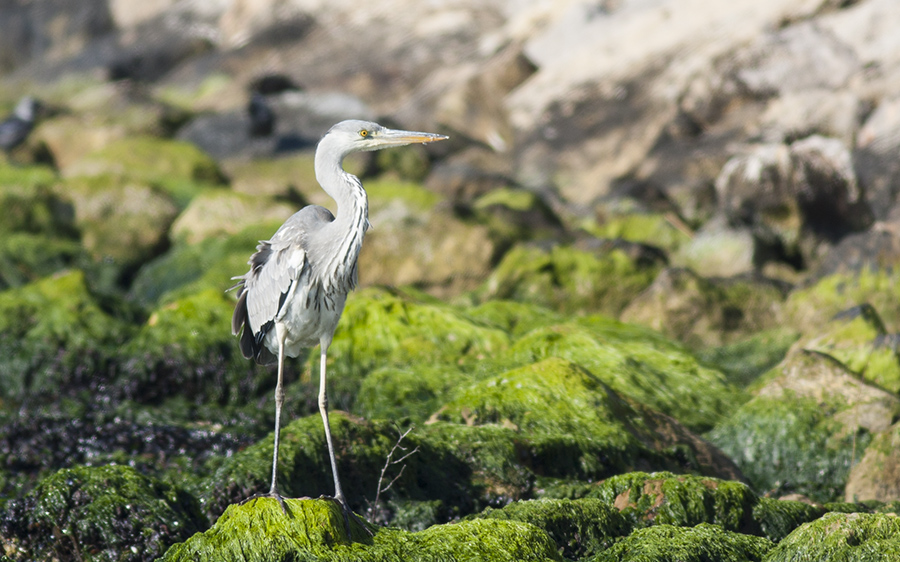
323	409
281	333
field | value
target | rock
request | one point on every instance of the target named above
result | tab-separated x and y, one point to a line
662	230
702	312
516	318
29	204
803	113
177	167
797	58
415	242
694	544
218	212
26	257
515	215
110	511
878	139
805	427
553	398
120	220
570	280
718	251
866	537
320	532
581	528
53	332
818	303
745	359
290	177
626	358
49	30
877	475
857	338
469	174
795	199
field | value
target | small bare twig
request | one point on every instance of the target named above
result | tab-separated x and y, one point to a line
390	460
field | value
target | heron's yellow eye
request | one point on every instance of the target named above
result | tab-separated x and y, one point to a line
364	133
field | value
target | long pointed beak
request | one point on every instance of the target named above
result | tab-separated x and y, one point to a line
393	137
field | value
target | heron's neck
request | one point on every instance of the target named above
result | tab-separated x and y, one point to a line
351	220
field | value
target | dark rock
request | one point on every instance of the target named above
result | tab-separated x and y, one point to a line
262	118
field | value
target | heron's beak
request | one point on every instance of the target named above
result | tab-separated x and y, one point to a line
393	137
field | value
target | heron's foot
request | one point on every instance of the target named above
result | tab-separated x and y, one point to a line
270	494
348	515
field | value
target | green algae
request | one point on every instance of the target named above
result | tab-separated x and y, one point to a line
316	530
791	444
778	518
842	537
515	215
702	543
379	329
635	362
744	361
26	257
406	392
179	168
515	318
99	513
54	333
567	279
29	204
664	498
655	229
580	528
190	268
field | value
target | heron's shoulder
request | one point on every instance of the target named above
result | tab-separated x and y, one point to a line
308	219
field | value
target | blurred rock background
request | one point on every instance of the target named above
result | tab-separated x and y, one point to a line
683	213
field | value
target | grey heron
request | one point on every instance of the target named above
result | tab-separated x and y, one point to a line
16	128
294	293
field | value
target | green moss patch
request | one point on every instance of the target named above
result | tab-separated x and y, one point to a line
860	537
705	542
98	513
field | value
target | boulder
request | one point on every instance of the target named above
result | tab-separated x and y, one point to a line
692	544
219	212
866	537
877	475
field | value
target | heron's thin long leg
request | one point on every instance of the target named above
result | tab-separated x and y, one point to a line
323	409
279	400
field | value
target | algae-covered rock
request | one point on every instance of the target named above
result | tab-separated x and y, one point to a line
99	513
667	543
569	280
817	304
516	318
186	347
662	230
53	335
220	212
179	168
778	518
120	220
413	392
808	424
379	329
29	204
514	215
857	338
877	475
744	360
635	362
860	537
702	312
667	499
580	528
316	530
26	257
189	268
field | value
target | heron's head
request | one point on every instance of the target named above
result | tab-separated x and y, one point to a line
357	136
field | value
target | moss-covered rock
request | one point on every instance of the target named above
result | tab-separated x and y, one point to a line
101	513
778	518
54	335
656	229
861	537
316	530
667	543
29	204
857	338
189	268
413	392
26	257
568	279
744	360
817	304
516	318
877	475
580	528
635	362
178	167
379	329
702	312
808	424
220	213
514	215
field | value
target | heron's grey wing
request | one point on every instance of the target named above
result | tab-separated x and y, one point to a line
276	269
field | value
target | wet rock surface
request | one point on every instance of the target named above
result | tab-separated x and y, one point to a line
641	306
